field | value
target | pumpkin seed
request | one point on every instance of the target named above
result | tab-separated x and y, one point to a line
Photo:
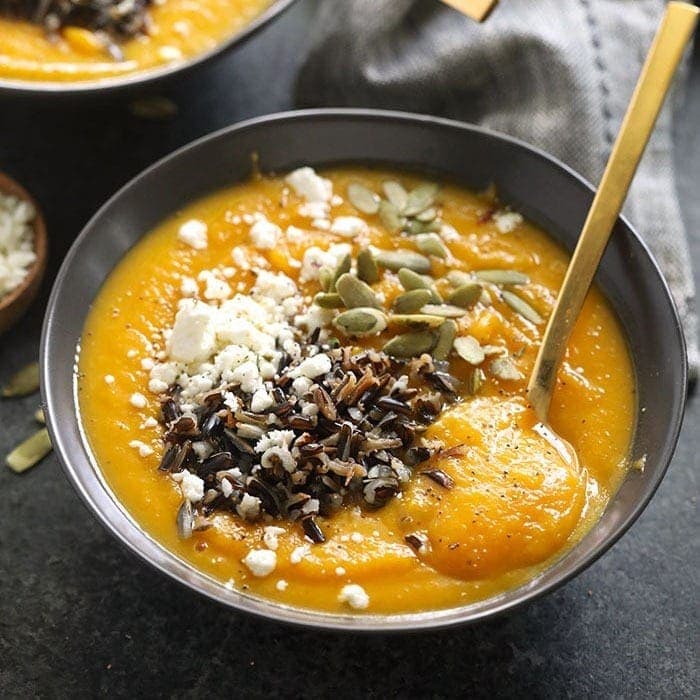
39	416
395	193
416	322
361	321
22	383
329	300
355	293
413	227
410	344
476	380
412	280
521	306
431	244
445	339
502	276
29	452
367	269
363	199
427	215
344	265
396	259
469	349
466	295
410	302
444	310
420	198
504	368
458	278
390	217
325	277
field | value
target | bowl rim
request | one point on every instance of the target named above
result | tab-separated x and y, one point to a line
146	77
304	617
35	272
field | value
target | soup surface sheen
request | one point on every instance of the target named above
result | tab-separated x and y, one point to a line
514	507
180	29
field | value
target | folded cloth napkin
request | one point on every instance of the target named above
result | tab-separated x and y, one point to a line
556	73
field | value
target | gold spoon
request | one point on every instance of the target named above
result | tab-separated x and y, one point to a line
478	10
666	51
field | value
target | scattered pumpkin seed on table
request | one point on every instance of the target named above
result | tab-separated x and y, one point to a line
23	382
29	452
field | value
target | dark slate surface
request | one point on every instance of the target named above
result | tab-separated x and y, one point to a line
80	617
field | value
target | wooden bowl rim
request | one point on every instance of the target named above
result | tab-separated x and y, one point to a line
10	186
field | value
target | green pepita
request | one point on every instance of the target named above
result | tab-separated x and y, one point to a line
412	280
469	349
395	193
476	380
504	368
413	301
457	278
361	321
431	244
445	338
390	217
444	310
367	269
325	277
416	322
355	293
329	300
396	259
22	383
502	276
420	198
521	306
466	295
343	267
29	452
427	215
410	344
362	198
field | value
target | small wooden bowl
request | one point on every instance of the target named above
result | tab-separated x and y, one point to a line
14	304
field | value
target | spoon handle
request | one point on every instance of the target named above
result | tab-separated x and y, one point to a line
666	51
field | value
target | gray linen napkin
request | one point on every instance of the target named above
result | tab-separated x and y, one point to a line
556	73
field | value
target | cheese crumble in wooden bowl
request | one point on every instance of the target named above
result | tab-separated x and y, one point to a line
311	388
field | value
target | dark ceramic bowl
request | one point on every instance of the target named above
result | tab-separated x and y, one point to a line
543	189
144	78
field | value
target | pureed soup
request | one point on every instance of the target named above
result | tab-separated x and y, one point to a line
312	389
78	40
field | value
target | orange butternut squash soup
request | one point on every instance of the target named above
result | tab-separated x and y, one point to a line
312	388
70	41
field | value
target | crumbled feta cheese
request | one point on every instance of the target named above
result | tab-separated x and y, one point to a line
299	553
507	221
315	258
248	376
295	235
194	234
310	186
271	536
147	364
261	400
261	562
249	507
215	288
275	286
150	422
138	400
355	596
263	233
193	335
301	385
275	438
281	585
357	537
318	211
312	367
191	485
143	449
131	354
202	449
109	379
339	571
16	241
189	287
349	226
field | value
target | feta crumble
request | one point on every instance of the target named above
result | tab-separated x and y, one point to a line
281	585
355	596
261	562
507	221
109	379
143	449
349	226
138	400
264	234
16	241
310	186
194	234
191	486
299	553
271	536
